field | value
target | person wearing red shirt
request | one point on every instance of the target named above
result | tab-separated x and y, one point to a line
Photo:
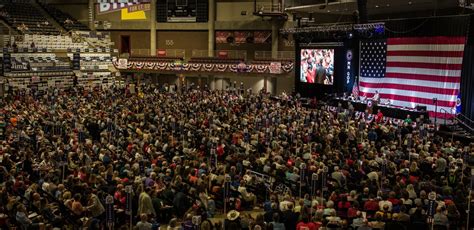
371	206
311	75
305	224
343	207
379	116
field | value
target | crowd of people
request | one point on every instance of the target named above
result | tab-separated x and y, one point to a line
184	157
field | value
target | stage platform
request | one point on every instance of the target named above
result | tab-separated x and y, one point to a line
388	111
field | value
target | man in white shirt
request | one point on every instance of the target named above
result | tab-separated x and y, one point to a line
376	97
246	195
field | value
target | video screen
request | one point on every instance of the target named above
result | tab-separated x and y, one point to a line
317	66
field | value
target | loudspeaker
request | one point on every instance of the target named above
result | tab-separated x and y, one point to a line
7	62
76	61
202	11
161	11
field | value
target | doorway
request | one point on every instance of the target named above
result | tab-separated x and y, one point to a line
125	44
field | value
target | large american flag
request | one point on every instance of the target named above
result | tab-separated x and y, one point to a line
413	71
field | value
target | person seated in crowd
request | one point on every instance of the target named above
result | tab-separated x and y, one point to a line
246	195
23	218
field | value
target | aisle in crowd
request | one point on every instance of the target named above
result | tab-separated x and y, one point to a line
303	168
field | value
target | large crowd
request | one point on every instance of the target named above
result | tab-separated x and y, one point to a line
182	158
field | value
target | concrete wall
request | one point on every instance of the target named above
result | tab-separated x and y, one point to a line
250	48
187	40
286	43
275	85
285	84
256	83
231	11
138	39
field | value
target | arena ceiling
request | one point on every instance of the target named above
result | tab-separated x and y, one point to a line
374	7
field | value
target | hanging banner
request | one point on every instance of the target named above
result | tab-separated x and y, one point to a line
349	72
128	202
122	63
7	62
275	67
109	210
20	66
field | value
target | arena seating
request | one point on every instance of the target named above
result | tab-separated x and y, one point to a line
94	67
100	62
94	39
49	62
55	42
64	19
26	18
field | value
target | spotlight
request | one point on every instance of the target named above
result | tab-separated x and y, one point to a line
379	30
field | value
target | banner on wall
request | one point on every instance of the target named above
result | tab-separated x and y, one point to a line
122	63
241	37
129	9
275	67
349	71
19	66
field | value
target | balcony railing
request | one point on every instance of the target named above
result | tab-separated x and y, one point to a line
267	55
265	6
231	54
180	53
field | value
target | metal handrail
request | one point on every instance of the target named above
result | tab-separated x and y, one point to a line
466	118
235	54
458	120
445	114
279	55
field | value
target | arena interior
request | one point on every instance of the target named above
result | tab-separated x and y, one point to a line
236	114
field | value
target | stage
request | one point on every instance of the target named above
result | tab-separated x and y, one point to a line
387	110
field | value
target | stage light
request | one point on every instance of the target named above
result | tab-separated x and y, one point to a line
350	35
379	30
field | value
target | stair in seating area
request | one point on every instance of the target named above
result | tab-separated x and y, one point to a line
64	19
25	17
48	17
6	29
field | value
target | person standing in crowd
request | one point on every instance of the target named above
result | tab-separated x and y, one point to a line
145	204
185	154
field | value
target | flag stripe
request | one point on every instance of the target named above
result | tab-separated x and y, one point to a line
410	99
421	89
425	65
426	53
434	84
425	47
422	77
424	59
427	40
440	114
436	72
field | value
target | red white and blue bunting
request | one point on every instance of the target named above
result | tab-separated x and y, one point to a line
202	67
